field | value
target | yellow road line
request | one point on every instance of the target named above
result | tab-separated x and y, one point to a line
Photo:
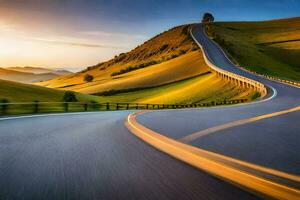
199	134
205	160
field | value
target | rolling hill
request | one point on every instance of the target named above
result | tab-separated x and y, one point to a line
19	92
267	47
30	74
167	68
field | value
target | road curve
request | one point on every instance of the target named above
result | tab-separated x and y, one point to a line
265	133
93	156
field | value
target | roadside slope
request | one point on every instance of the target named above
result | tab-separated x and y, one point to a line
19	92
267	47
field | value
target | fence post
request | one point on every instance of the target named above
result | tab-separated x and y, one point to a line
147	106
36	106
107	105
85	105
117	106
66	105
4	106
127	106
137	106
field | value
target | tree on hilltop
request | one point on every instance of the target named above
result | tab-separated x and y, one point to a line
207	18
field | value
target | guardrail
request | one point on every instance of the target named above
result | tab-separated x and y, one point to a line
274	78
237	79
7	108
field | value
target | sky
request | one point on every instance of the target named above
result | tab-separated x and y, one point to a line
74	34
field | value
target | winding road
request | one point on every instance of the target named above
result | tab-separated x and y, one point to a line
94	156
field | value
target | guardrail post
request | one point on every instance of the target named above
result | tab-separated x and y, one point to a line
127	106
117	107
137	106
107	106
36	106
147	106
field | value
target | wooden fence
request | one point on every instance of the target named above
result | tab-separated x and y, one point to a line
7	108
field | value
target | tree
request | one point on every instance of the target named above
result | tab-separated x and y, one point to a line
88	78
69	96
207	18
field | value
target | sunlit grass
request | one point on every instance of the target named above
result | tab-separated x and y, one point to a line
204	88
251	44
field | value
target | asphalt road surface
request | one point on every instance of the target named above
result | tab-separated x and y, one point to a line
272	142
93	156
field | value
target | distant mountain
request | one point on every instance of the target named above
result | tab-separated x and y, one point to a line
23	75
39	70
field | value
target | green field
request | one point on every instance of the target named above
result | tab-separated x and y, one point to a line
268	47
19	92
192	90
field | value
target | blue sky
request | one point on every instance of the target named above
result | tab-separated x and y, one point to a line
89	31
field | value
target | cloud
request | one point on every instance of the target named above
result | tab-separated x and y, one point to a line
71	43
110	34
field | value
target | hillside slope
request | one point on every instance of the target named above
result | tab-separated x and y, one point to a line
268	47
160	51
19	92
168	68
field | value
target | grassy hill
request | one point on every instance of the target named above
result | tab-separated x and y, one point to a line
168	68
25	77
158	51
268	47
19	92
202	88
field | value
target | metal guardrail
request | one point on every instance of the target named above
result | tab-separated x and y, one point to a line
274	78
7	108
239	80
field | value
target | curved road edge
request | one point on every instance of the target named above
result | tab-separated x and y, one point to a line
240	80
217	165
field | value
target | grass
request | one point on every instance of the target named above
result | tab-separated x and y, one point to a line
203	88
180	68
19	92
160	50
269	47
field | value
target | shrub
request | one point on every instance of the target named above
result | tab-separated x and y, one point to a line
181	52
255	95
120	57
136	67
164	47
174	56
69	96
88	78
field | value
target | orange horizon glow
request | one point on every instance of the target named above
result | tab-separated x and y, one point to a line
31	43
